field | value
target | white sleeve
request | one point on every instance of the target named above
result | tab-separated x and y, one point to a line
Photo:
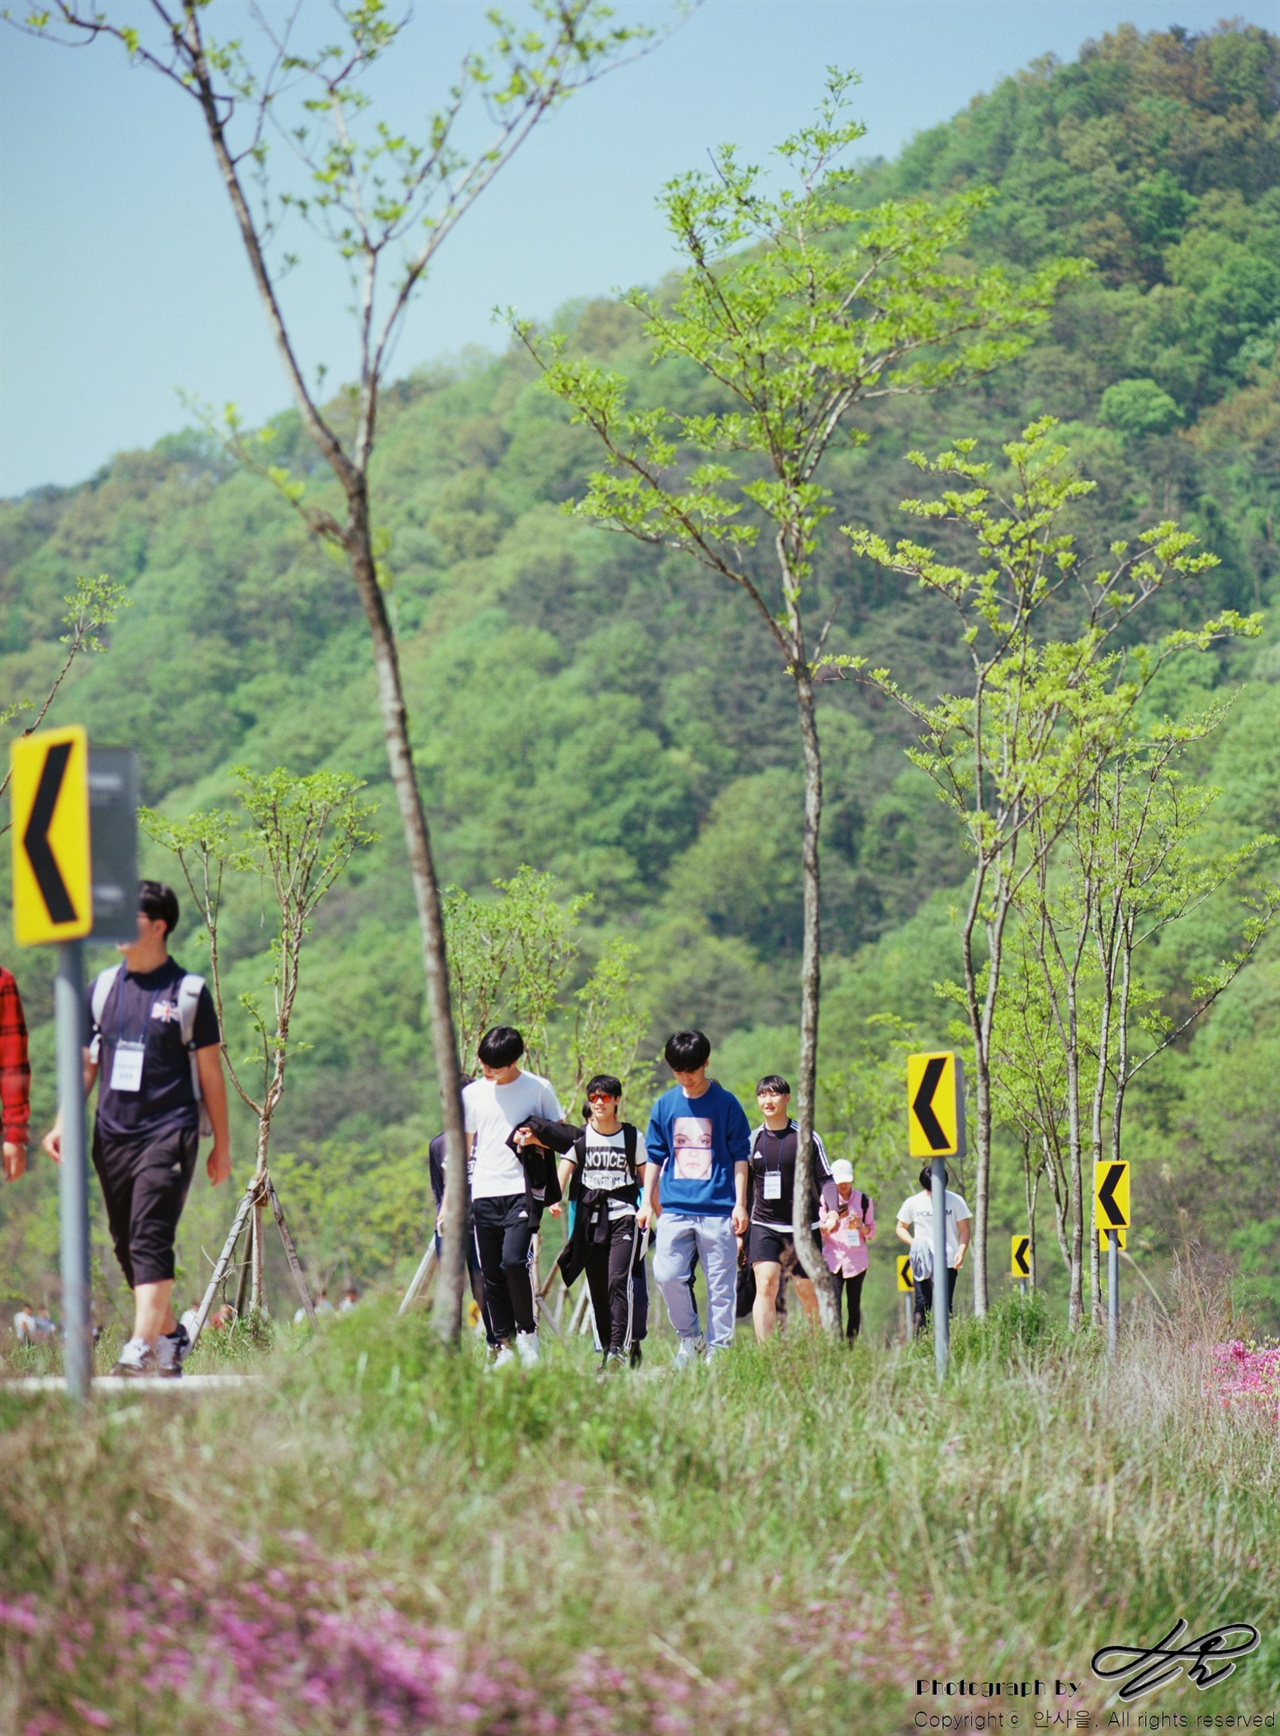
961	1208
907	1212
823	1159
468	1110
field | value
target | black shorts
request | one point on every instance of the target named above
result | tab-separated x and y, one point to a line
144	1182
766	1243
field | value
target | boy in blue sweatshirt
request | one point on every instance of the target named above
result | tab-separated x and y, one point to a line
695	1181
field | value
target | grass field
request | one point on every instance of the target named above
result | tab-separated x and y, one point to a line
383	1538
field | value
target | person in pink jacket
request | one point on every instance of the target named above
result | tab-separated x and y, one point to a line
848	1224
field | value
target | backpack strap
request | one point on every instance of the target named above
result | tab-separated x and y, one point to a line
103	984
99	995
189	991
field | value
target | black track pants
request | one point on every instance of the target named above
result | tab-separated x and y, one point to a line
503	1228
850	1296
924	1296
608	1269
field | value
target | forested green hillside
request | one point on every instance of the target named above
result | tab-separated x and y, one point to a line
601	711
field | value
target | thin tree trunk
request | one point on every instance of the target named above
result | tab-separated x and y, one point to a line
447	1307
808	1248
357	541
1075	1158
1029	1199
1032	1244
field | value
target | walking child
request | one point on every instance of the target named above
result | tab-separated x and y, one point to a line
696	1193
848	1225
771	1246
155	1053
506	1200
600	1175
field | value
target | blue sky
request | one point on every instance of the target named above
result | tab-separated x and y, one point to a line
121	279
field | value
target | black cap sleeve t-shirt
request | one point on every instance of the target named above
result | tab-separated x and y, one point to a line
144	1008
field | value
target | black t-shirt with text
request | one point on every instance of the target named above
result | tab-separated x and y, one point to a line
144	1009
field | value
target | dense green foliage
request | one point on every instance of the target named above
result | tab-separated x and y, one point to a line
575	708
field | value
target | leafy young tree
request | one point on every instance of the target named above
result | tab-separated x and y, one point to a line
1016	753
512	956
1131	861
797	308
297	834
863	1099
91	606
385	202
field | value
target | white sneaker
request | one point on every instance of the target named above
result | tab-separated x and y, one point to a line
136	1358
527	1348
502	1356
689	1351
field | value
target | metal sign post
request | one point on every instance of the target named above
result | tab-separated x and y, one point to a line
74	814
935	1129
73	1180
1111	1215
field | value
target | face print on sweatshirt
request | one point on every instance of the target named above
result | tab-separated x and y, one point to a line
691	1143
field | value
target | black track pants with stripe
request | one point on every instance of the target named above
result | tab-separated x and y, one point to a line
608	1268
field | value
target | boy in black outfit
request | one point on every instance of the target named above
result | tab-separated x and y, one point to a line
156	1052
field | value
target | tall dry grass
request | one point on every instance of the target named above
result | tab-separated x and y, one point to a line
384	1538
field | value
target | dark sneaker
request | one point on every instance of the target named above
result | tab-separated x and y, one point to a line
171	1352
637	1355
137	1359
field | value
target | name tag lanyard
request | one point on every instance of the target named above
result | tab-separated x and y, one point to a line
128	1054
772	1178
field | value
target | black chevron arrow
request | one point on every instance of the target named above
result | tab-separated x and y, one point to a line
1020	1256
922	1108
1107	1196
35	840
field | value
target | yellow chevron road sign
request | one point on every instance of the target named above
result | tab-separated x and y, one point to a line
49	806
935	1105
1111	1196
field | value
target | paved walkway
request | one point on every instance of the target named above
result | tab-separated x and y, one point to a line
134	1383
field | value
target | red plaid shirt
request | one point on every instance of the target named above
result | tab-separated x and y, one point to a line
15	1071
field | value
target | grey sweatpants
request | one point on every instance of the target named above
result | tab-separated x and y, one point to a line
677	1235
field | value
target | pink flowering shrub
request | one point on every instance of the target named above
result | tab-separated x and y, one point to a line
1245	1375
315	1645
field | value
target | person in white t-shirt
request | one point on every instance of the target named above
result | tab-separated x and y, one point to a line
915	1229
505	1213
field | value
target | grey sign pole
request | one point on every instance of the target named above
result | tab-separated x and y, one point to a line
68	1005
1113	1290
941	1276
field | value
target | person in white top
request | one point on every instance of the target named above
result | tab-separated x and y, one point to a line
504	1212
915	1229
